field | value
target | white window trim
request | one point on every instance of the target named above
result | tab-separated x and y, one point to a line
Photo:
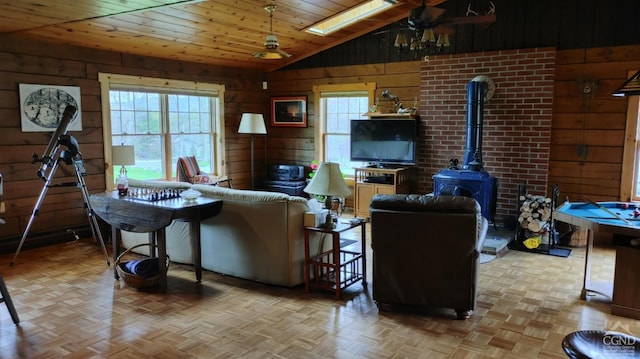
107	80
630	155
320	126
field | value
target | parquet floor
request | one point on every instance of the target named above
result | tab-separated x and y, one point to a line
71	307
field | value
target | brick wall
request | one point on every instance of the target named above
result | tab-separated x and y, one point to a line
517	120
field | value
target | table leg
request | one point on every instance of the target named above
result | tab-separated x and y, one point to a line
307	263
162	258
363	235
586	282
336	263
196	244
116	236
152	244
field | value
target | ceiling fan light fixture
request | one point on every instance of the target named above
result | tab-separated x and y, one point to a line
443	40
271	49
271	54
416	44
428	36
401	41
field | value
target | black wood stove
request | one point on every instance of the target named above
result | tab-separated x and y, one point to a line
471	180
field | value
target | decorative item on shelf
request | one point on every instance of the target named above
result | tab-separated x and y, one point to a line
328	181
123	156
396	105
253	124
535	213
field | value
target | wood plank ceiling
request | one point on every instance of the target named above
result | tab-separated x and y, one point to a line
216	32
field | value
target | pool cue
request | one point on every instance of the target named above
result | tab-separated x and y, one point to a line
606	209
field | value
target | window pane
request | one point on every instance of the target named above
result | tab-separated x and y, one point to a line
149	156
338	113
189	114
338	149
139	119
192	145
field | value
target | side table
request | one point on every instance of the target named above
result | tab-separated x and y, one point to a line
335	269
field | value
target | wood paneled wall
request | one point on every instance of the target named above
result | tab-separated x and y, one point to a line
296	145
588	132
23	60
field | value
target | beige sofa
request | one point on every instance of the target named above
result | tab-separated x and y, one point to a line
257	235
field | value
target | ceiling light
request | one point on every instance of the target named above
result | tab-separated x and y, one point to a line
271	50
629	87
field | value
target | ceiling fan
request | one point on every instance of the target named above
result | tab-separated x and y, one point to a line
425	17
271	50
425	22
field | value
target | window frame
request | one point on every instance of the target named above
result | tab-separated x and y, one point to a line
631	154
321	126
119	82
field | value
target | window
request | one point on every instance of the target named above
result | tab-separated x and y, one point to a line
630	184
178	118
337	105
350	16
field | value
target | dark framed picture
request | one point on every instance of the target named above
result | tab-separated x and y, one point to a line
289	111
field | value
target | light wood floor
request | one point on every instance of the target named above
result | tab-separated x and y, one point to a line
70	306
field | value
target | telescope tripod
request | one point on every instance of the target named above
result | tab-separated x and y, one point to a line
68	157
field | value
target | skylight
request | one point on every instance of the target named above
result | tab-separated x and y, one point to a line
348	17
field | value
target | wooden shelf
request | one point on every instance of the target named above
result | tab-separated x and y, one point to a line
388	115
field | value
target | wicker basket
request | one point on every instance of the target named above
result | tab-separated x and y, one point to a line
134	280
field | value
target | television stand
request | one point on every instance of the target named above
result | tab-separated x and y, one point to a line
389	165
372	180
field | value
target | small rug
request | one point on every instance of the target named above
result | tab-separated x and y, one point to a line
484	257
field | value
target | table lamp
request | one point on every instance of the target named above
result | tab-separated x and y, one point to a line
123	156
328	182
253	124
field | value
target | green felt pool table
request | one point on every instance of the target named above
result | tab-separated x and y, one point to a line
618	218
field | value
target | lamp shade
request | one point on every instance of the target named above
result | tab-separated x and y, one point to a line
401	41
123	155
328	181
252	123
629	87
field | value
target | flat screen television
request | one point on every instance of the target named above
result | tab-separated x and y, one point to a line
384	142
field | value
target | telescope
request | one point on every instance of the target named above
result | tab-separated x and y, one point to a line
54	143
70	155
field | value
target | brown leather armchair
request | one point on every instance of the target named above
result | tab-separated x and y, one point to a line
425	251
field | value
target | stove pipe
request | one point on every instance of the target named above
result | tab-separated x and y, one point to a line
476	91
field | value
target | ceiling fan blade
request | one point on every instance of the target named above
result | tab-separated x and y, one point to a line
444	29
431	14
467	20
